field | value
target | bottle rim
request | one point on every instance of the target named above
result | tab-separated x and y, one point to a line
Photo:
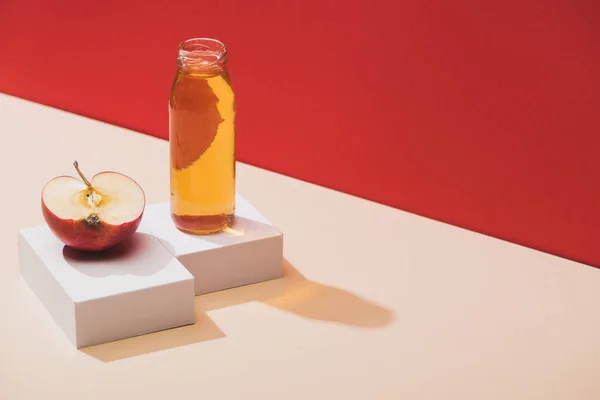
202	53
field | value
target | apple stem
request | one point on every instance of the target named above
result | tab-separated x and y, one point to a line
76	165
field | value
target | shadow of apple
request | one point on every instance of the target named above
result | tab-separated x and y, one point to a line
138	255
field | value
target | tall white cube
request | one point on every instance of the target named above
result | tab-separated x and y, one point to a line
135	288
250	251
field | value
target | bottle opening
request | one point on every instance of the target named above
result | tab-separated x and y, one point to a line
203	54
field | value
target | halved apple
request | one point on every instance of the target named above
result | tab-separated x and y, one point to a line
96	215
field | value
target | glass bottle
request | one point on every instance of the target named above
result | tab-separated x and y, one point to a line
202	139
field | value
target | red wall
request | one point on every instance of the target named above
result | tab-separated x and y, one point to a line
483	114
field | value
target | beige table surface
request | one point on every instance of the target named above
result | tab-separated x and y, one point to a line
376	303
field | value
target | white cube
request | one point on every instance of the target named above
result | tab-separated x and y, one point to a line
250	251
95	298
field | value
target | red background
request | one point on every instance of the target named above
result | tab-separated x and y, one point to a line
482	114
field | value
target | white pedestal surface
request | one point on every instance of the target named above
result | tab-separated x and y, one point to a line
250	251
132	289
148	283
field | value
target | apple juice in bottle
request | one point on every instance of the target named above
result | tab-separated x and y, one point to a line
202	139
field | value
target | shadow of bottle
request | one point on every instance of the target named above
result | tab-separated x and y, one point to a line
297	295
293	293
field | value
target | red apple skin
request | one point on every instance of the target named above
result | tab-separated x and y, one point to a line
80	235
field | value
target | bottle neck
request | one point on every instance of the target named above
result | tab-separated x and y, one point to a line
202	56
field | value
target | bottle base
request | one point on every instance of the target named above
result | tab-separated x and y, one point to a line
202	224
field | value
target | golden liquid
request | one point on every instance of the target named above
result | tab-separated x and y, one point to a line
202	141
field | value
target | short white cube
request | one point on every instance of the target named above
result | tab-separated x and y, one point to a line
251	251
95	298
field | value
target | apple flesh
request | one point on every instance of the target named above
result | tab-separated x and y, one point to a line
96	215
